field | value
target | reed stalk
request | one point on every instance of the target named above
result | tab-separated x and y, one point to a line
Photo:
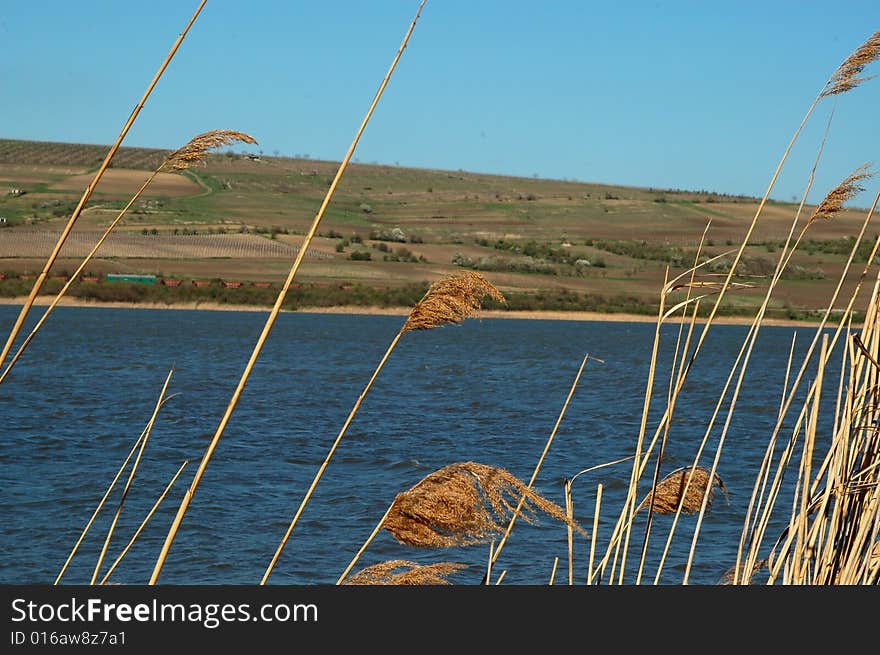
553	572
489	563
366	544
131	475
728	279
629	508
541	458
595	534
745	350
758	529
841	193
143	524
273	314
569	512
672	396
87	194
91	520
195	151
450	300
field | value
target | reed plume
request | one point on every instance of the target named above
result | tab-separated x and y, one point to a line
449	300
685	486
273	316
87	193
192	153
846	77
195	152
403	572
846	190
461	504
730	575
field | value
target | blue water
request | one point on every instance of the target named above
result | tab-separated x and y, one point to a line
488	391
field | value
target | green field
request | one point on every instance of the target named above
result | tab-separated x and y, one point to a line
389	231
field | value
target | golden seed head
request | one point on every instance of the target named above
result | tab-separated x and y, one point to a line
197	149
671	491
403	572
843	192
846	77
451	300
463	504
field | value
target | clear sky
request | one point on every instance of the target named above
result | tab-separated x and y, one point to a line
672	94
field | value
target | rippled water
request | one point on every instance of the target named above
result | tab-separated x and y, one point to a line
488	391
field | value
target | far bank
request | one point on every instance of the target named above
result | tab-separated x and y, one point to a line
547	315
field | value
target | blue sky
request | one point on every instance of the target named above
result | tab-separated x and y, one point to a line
675	94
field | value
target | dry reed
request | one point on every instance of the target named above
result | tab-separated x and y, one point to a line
686	487
403	572
196	151
731	574
846	190
541	458
449	300
846	77
273	315
87	193
143	524
134	467
191	154
461	504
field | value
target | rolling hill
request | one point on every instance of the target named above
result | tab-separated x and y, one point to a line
550	244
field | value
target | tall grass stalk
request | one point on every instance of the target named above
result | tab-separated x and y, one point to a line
180	159
541	458
367	543
131	474
595	535
755	534
41	278
632	491
671	395
833	86
569	512
569	500
751	336
273	314
553	571
742	361
143	524
448	301
91	520
837	546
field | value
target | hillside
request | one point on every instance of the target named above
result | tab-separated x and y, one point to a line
548	243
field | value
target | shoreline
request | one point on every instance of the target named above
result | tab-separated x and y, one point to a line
549	315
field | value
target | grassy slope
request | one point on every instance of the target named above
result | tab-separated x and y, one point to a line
482	219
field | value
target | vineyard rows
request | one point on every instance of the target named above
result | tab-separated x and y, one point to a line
45	153
39	243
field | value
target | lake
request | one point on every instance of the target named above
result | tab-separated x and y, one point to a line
489	391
